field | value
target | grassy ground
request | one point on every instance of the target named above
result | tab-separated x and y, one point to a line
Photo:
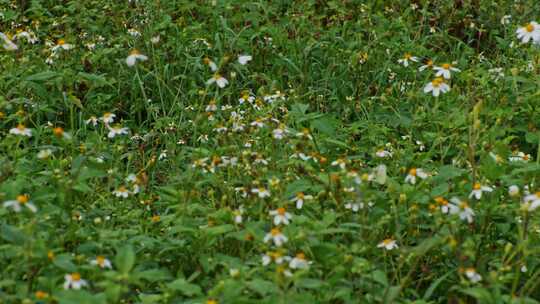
269	151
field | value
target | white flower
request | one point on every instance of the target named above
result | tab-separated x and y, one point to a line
61	44
238	215
383	153
340	162
30	36
472	275
116	130
219	80
275	256
299	262
428	65
7	43
17	204
262	192
478	189
276	236
102	262
354	206
388	244
513	190
74	281
445	70
436	87
212	65
279	132
281	216
445	206
107	118
413	174
406	58
531	31
122	192
532	201
155	39
92	121
300	198
44	154
134	56
462	209
21	130
519	157
244	59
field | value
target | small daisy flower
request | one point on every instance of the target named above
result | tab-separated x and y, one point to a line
382	153
428	65
299	262
92	121
276	236
117	130
279	132
532	200
102	262
340	162
300	198
60	133
388	244
44	154
21	130
445	206
135	56
406	58
7	44
531	31
122	192
238	215
436	87
463	210
413	174
22	200
74	281
513	190
472	275
281	216
61	44
219	80
445	70
261	192
354	207
478	189
275	256
519	157
211	64
244	59
107	118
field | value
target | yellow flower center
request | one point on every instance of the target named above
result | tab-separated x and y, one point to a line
122	189
61	42
300	195
446	66
275	232
135	52
529	27
437	82
537	194
301	256
75	276
21	127
206	60
41	295
407	56
211	301
412	172
463	205
23	198
217	77
281	211
58	131
100	260
156	218
477	186
439	199
387	241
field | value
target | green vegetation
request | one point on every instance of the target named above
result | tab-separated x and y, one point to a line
190	151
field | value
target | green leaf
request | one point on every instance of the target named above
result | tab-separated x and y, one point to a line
12	234
185	287
64	262
42	76
221	229
310	283
125	259
262	287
